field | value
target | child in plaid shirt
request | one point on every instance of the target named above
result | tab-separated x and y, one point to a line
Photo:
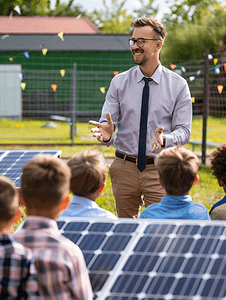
62	272
18	276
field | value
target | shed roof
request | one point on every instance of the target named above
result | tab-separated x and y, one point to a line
72	42
47	25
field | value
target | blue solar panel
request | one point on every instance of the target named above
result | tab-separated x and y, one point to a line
152	259
11	162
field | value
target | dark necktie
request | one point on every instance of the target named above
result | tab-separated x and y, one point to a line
143	127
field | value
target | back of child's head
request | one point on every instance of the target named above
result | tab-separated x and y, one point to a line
218	163
177	169
88	172
8	199
45	181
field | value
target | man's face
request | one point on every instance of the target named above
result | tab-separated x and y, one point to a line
149	51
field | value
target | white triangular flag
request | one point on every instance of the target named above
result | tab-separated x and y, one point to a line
17	9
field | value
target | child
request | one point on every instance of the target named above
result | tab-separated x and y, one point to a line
18	276
177	169
61	268
88	178
218	165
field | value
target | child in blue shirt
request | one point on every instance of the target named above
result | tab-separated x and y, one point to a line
177	169
218	166
88	178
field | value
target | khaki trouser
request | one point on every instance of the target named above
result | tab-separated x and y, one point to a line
129	185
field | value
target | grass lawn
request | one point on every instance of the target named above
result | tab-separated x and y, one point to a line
205	192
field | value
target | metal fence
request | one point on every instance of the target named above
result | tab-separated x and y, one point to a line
75	93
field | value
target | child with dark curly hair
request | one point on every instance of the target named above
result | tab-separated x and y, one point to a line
218	166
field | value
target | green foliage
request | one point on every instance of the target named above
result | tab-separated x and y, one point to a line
146	10
41	8
113	19
188	40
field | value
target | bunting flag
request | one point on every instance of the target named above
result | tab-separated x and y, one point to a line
216	70
116	73
5	36
44	51
183	69
20	76
17	9
193	99
215	61
210	56
26	54
191	78
172	66
62	72
102	89
54	87
23	85
11	59
220	88
61	35
199	72
225	67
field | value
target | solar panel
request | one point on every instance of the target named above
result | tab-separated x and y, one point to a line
151	259
11	162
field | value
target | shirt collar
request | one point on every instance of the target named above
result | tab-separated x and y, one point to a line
83	201
35	222
155	77
176	199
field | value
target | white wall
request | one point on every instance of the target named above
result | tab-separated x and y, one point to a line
10	91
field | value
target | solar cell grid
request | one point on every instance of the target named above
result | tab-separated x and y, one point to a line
152	259
11	162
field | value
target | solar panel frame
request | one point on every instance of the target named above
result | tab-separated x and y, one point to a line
172	271
11	161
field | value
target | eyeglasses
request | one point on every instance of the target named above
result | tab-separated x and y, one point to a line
140	42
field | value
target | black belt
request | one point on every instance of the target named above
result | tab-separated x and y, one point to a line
118	154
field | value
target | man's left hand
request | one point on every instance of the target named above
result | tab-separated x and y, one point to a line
158	139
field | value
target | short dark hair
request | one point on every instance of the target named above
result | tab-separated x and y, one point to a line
218	162
45	182
156	25
9	201
88	172
177	169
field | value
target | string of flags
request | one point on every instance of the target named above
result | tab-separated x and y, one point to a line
192	78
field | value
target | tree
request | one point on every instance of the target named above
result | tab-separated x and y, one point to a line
40	8
187	10
116	19
113	19
146	10
188	40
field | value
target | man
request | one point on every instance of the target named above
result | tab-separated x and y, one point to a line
141	123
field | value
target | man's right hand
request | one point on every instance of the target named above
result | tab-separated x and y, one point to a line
102	130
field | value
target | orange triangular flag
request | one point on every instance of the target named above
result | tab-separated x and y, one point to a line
220	88
44	51
225	67
61	35
116	73
172	66
62	72
54	87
